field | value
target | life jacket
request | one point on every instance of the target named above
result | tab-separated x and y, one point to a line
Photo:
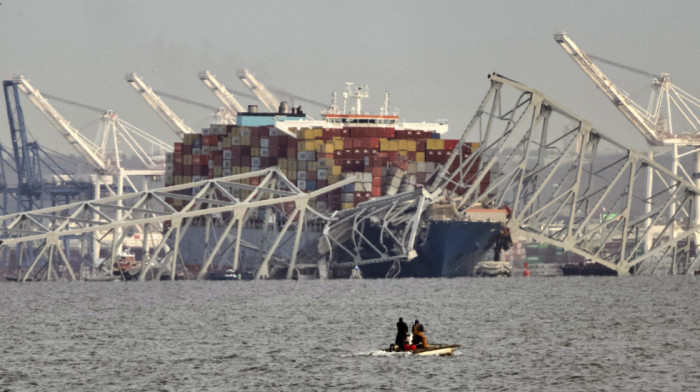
416	329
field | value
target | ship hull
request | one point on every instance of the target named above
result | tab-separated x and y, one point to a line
450	249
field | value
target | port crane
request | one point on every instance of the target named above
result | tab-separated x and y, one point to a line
171	119
230	103
268	100
655	122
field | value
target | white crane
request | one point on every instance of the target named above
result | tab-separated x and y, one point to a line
230	103
104	155
655	122
171	119
268	100
84	147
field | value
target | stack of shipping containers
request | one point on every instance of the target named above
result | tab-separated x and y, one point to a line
383	160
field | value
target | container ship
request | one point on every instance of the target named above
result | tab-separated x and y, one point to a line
385	155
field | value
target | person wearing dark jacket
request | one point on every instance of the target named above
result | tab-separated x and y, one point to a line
419	334
401	333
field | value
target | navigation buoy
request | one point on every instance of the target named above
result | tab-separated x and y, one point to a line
526	272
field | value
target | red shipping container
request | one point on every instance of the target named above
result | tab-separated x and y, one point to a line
263	131
177	147
321	183
255	181
196	159
376	191
254	132
392	155
400	134
245	160
345	132
450	144
187	170
291	152
311	175
177	170
420	146
187	150
411	155
264	162
376	180
177	158
376	171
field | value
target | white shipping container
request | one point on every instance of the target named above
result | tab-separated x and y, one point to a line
301	175
264	152
359	187
235	141
196	151
205	150
366	187
412	167
227	154
226	172
264	142
321	174
255	161
301	184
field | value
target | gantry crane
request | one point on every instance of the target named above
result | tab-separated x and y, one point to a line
230	103
72	135
264	95
171	119
650	122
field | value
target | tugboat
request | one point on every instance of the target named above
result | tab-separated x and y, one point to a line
127	267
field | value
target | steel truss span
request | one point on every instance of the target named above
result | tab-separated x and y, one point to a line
573	186
229	201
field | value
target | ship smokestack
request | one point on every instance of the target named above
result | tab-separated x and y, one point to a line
252	108
284	107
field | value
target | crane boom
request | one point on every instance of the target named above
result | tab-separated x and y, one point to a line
625	105
231	104
171	119
264	95
72	135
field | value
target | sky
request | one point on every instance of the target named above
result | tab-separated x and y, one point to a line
432	56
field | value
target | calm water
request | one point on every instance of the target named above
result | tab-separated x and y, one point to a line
517	334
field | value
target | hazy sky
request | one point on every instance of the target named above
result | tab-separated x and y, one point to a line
432	56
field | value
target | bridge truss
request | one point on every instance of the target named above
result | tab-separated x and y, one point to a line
229	200
573	186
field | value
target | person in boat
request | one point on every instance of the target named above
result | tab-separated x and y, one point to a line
419	335
401	333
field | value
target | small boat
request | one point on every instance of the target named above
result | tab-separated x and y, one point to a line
441	350
492	268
